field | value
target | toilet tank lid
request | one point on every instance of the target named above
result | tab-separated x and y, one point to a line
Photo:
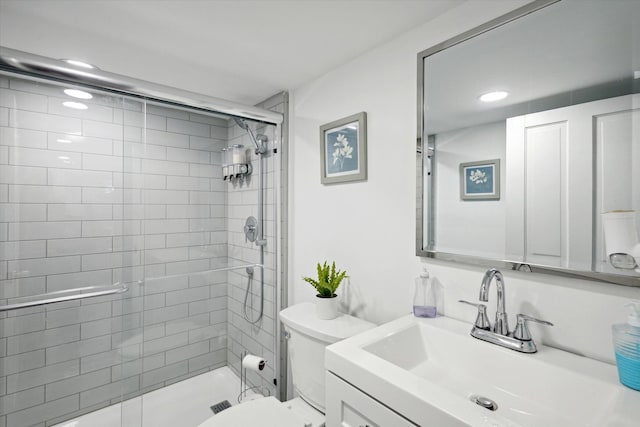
302	317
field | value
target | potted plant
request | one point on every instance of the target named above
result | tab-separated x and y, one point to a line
329	278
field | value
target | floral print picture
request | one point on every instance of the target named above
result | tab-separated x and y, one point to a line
480	180
342	152
343	149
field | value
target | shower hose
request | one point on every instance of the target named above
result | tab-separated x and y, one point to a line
245	311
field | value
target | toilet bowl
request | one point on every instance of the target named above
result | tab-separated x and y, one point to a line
308	336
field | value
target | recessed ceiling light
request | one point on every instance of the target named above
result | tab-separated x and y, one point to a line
76	105
78	93
79	64
494	96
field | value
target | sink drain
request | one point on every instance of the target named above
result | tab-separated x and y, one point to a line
485	402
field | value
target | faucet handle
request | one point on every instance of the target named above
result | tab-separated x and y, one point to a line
522	330
482	321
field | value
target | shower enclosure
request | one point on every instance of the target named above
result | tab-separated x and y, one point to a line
124	263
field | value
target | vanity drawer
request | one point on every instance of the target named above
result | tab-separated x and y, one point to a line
346	406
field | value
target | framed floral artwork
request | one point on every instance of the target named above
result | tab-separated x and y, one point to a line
343	149
480	180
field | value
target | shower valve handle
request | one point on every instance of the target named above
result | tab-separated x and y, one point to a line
251	229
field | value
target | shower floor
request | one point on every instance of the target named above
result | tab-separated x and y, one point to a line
184	404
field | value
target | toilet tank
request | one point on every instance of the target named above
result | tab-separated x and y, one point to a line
308	337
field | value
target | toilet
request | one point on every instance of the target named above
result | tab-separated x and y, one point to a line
308	336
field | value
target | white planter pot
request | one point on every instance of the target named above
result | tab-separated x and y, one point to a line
327	308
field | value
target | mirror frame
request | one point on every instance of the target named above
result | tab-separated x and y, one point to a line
425	155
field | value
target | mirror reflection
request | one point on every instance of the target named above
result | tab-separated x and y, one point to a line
534	136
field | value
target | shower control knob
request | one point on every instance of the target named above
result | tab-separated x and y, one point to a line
251	229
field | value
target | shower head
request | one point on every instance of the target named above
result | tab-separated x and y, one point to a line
260	142
241	122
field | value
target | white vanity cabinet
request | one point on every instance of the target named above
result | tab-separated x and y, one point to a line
346	406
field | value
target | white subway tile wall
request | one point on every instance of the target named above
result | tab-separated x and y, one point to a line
92	197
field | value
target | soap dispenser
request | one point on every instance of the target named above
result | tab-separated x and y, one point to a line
626	341
424	297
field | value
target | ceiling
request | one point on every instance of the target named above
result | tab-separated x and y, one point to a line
568	53
244	51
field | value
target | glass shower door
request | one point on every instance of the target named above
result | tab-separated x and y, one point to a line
195	257
62	242
117	209
184	317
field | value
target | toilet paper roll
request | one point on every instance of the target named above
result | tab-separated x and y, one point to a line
253	363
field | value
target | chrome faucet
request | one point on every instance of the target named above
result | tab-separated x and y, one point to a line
520	340
501	326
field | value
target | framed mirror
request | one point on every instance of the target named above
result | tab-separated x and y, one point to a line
528	148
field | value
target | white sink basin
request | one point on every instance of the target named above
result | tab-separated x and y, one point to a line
427	369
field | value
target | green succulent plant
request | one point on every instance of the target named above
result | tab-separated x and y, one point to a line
329	278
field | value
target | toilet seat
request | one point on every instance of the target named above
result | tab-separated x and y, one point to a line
265	412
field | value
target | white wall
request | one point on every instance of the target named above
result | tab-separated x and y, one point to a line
369	227
472	227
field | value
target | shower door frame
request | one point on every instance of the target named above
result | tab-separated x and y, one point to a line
28	64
